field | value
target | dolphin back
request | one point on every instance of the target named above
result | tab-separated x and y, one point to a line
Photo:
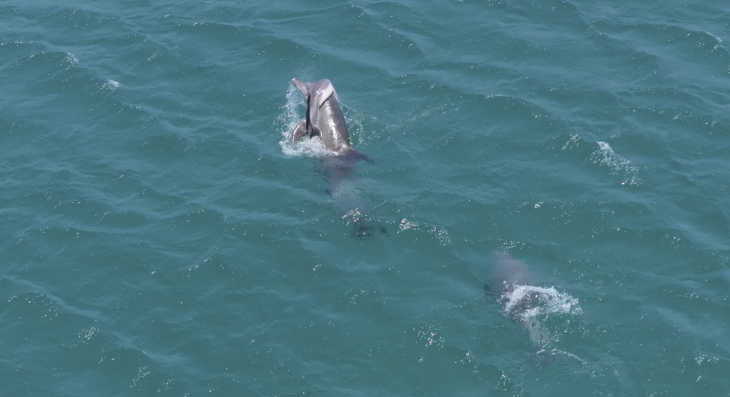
324	119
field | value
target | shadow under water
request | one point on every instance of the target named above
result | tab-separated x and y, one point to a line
338	171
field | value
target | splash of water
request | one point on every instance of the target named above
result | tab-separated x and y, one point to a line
533	305
606	156
441	233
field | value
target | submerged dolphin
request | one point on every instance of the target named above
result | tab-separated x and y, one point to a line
324	119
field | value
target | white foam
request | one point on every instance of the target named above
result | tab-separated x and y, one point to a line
430	337
544	301
288	119
719	42
572	142
17	42
111	85
533	305
606	156
71	58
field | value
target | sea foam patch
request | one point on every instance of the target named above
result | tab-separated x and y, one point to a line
540	301
533	306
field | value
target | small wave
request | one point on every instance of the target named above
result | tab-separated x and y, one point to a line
606	156
288	119
441	233
17	42
719	41
572	143
402	124
71	59
357	215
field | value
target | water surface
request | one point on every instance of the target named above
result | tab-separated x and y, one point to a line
160	235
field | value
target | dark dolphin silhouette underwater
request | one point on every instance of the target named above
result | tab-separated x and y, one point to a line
324	121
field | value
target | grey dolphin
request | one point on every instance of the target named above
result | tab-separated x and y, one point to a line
324	119
510	276
530	305
509	273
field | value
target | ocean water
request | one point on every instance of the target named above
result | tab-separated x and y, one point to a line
160	234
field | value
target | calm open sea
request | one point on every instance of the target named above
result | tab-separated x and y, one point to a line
160	234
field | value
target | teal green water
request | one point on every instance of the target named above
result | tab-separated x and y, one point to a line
160	236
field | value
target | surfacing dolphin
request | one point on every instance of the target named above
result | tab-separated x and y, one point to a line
325	121
513	285
508	274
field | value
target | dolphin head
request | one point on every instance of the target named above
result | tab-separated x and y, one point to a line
508	273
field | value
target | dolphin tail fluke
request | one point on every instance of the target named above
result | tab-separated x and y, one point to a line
302	87
299	131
